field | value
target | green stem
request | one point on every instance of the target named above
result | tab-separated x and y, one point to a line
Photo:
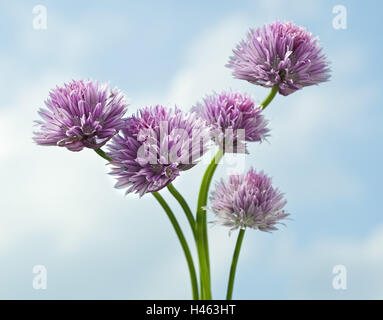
202	234
189	215
185	247
202	263
234	264
102	154
178	230
270	97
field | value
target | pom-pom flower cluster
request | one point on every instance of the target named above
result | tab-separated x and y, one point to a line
81	114
248	200
233	118
280	54
156	145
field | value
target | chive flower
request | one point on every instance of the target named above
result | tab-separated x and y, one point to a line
282	54
234	118
81	113
156	145
248	200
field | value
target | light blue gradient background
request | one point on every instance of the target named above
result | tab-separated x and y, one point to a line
59	209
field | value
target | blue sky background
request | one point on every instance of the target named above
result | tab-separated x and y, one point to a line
60	209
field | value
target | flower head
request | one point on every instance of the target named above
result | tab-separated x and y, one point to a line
81	114
156	145
280	53
233	118
248	200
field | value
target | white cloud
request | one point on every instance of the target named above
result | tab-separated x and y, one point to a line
204	69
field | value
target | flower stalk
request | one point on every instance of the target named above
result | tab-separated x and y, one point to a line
189	215
202	233
176	226
234	263
181	238
102	154
270	97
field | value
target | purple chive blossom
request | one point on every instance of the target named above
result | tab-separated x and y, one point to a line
81	114
281	54
156	145
248	200
233	118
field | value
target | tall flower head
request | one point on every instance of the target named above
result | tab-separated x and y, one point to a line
280	53
81	114
156	145
233	118
248	200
